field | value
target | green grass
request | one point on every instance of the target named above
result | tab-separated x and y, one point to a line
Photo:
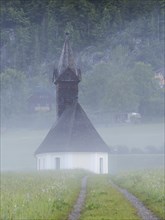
39	195
105	203
52	195
148	186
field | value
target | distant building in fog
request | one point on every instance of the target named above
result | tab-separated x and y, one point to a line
160	76
73	142
40	100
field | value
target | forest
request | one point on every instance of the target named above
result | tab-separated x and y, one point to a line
117	44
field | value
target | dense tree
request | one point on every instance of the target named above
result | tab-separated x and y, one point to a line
119	44
14	92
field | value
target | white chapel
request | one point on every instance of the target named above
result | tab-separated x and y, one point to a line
72	142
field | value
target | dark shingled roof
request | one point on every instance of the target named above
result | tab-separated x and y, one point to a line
66	59
67	70
73	132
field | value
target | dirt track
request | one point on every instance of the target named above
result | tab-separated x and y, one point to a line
142	211
75	214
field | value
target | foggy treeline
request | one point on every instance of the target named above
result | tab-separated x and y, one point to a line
118	44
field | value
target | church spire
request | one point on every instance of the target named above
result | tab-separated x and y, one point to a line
66	59
66	78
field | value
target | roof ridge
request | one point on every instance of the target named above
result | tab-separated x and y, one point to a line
91	124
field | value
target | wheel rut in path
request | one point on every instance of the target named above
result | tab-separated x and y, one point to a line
75	214
143	212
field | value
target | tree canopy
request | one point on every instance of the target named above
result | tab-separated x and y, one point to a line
119	44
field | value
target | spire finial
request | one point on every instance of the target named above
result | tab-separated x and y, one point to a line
67	59
67	34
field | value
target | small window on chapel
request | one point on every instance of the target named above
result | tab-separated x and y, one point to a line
57	163
101	165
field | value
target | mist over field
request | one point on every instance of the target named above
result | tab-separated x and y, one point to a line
82	134
140	147
119	47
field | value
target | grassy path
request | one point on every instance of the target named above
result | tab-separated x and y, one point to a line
106	203
143	212
103	202
75	214
148	186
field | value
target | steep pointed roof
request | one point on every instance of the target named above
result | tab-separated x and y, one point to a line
66	70
66	59
73	132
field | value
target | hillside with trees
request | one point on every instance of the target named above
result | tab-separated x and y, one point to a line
118	44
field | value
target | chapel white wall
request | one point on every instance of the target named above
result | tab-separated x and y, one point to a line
77	160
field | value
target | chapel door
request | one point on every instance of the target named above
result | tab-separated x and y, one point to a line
57	163
101	165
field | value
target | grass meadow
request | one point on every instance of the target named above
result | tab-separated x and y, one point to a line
52	195
38	195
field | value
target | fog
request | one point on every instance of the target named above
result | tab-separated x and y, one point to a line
18	146
118	78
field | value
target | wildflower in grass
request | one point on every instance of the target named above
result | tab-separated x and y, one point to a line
31	195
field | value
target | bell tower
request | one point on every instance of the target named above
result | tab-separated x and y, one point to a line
66	79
